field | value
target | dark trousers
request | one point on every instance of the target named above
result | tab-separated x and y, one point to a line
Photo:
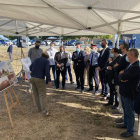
63	78
133	45
54	74
113	92
129	115
104	83
79	72
129	45
93	74
68	68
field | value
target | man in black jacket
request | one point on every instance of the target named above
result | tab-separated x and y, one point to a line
114	58
121	65
129	80
79	66
102	61
61	58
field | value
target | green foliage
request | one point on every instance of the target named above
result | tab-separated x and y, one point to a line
106	36
10	37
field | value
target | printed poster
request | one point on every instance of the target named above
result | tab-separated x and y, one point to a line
7	75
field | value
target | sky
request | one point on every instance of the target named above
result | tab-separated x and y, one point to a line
1	36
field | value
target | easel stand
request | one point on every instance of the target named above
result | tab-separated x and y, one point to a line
13	104
28	81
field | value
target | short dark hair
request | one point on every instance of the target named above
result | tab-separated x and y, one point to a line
45	55
78	44
38	41
135	52
62	47
106	41
116	50
125	46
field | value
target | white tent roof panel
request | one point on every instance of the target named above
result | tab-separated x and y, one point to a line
104	16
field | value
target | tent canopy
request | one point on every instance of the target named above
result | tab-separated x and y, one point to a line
24	28
105	16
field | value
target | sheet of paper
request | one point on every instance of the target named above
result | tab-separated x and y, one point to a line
26	62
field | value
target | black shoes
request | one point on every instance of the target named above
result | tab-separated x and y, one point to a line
121	126
108	104
126	134
89	89
72	82
119	121
63	88
77	88
114	107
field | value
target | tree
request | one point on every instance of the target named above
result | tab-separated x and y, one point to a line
106	36
10	37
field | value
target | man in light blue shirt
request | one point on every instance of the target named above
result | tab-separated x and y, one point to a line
93	70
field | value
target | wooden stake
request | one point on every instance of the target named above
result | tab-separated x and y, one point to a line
17	99
21	87
31	92
11	98
8	109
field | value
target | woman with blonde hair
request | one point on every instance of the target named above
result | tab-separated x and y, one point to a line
86	60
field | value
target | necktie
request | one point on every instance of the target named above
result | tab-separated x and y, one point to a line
91	59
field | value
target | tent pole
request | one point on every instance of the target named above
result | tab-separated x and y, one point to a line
117	46
114	41
27	37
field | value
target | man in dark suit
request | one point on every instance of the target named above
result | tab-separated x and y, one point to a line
129	79
61	58
79	65
121	65
114	58
102	61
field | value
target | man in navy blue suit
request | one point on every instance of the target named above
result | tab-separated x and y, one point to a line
102	61
121	65
129	80
79	65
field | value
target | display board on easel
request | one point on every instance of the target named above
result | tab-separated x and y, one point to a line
7	80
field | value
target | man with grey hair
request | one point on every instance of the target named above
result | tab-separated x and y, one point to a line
129	80
61	59
10	49
51	52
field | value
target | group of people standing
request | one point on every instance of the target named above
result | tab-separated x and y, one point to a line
131	42
116	69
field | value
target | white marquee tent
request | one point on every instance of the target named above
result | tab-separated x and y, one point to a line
104	16
24	28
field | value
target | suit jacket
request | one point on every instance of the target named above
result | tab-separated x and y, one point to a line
131	73
137	102
78	57
103	59
122	65
110	73
61	59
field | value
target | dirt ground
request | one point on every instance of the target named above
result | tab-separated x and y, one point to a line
75	116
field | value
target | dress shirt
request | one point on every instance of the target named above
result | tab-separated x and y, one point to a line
51	53
94	58
103	51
